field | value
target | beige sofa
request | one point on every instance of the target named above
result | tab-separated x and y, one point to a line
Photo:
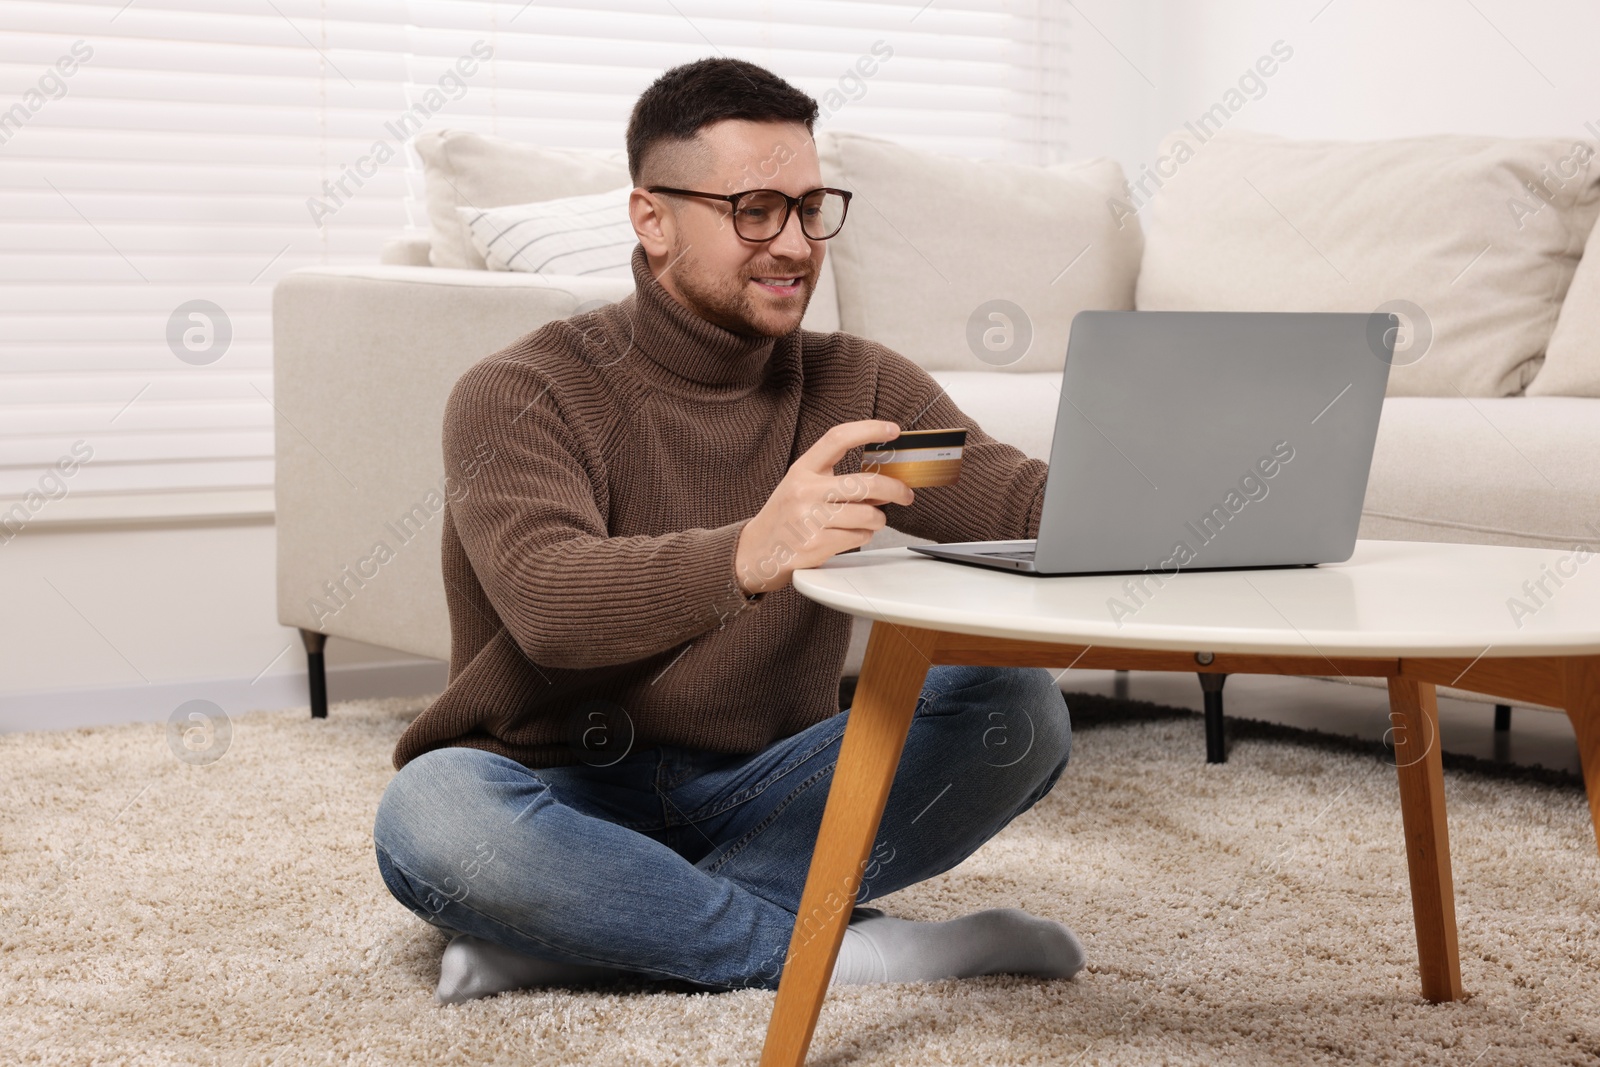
1492	435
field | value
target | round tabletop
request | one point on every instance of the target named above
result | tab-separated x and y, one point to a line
1391	598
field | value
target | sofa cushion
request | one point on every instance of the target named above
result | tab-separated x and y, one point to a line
406	250
1505	471
974	265
589	235
1572	363
1019	409
461	168
464	169
1447	224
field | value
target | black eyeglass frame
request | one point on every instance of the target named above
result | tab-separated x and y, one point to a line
790	203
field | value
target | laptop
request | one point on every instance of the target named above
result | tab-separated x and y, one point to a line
1205	440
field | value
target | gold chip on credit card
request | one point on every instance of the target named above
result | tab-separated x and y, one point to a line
920	458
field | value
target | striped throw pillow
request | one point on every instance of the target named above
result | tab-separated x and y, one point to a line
589	235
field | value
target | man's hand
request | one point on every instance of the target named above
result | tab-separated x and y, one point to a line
813	513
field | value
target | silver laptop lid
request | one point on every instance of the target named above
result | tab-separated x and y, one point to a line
1188	440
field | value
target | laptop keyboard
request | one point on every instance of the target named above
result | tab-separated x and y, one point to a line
1022	553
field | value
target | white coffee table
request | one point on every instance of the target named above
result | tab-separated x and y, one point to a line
1418	614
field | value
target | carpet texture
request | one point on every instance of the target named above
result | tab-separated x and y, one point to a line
154	910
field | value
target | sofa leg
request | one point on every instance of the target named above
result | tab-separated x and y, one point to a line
1502	718
1119	685
316	672
1216	742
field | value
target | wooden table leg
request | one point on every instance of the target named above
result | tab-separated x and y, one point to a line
1414	713
892	674
1580	677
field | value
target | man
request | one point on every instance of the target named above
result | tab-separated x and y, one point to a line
627	770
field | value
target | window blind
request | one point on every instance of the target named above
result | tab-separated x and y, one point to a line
160	161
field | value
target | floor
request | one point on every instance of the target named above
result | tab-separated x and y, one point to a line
158	909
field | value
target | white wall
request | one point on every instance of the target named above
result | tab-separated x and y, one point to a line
1112	81
123	624
1360	69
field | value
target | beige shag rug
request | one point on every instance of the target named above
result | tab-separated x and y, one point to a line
158	911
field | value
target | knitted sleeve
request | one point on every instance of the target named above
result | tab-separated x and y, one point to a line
1000	493
532	525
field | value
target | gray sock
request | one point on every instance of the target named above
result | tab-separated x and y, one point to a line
472	967
880	948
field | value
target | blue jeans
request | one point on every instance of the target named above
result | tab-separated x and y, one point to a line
684	864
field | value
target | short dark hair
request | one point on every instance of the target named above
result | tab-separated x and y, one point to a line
692	95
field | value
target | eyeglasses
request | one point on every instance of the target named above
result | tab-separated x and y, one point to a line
761	214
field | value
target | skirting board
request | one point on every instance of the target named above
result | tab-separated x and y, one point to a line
66	709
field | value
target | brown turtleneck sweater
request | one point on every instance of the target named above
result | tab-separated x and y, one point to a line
612	459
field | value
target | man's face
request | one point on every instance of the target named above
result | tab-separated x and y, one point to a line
691	243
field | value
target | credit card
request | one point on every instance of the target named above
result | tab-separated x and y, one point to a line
920	458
